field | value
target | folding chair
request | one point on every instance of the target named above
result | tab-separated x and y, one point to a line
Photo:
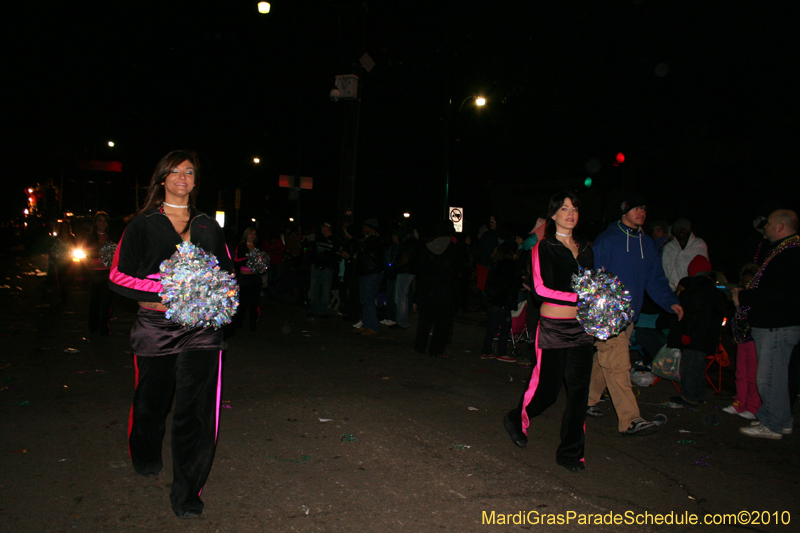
721	359
519	328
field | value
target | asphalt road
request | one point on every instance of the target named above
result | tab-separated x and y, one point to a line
322	430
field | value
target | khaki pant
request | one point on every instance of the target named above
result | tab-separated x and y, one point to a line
612	369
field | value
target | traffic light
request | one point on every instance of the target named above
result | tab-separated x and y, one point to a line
587	182
619	159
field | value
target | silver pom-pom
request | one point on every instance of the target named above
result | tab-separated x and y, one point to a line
107	252
195	290
258	261
604	306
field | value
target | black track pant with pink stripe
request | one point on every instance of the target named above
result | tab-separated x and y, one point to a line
557	368
193	378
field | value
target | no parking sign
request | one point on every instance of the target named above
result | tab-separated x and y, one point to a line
457	218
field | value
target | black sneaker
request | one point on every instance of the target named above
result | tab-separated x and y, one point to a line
639	427
680	400
594	411
517	438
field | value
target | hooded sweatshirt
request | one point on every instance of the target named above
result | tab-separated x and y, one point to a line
631	255
675	259
437	271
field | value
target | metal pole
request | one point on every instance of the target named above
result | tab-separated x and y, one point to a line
446	163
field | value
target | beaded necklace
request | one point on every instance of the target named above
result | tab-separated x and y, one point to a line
791	242
758	251
739	325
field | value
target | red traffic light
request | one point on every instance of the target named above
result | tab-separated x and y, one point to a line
620	158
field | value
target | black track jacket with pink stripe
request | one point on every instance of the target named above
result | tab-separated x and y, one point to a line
553	267
148	240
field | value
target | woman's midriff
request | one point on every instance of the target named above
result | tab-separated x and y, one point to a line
558	311
156	306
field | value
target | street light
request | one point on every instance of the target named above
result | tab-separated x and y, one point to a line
479	101
256	160
111	144
263	7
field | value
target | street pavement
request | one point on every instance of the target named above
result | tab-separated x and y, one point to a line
323	430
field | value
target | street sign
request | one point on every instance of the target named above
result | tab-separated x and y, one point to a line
457	218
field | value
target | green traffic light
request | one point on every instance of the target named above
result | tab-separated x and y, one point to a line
587	182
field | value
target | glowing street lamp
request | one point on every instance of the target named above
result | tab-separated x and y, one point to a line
256	160
111	144
480	101
263	7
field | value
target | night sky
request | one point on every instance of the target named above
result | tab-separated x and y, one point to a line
696	95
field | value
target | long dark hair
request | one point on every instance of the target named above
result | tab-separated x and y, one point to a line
94	221
155	191
556	201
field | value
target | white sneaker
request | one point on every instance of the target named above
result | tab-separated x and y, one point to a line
358	324
785	431
760	431
731	410
748	415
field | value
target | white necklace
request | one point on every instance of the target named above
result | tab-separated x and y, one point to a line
173	205
557	233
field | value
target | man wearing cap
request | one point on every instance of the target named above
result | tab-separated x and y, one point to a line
369	269
323	263
629	253
680	251
774	316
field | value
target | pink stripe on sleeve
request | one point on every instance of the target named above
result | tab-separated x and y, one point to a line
539	286
152	284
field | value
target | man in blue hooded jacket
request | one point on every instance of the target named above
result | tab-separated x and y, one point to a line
630	254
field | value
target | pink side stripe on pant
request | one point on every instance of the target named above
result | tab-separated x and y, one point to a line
532	386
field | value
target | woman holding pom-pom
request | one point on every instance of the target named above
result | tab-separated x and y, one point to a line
249	279
171	358
563	348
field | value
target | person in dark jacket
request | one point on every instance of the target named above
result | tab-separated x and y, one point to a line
771	300
697	335
563	348
171	359
324	261
501	295
487	242
405	265
101	298
369	269
437	268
